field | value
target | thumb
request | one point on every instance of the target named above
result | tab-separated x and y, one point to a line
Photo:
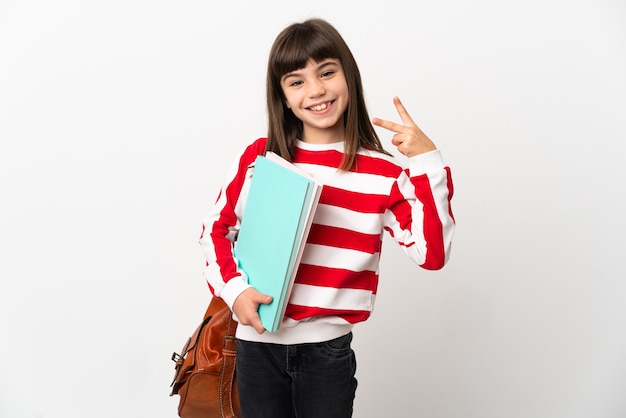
265	299
261	298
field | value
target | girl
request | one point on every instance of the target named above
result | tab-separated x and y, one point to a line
318	120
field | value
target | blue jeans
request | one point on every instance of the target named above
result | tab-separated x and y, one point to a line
296	381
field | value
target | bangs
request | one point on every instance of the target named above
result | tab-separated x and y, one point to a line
296	50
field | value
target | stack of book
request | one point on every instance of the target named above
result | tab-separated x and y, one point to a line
276	221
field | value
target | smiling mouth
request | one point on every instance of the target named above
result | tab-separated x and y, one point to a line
321	106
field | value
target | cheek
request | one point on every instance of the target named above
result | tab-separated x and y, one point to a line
287	98
286	101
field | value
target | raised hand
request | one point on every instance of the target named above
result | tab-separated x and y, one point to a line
409	138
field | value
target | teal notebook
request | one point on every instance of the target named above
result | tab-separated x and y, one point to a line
275	224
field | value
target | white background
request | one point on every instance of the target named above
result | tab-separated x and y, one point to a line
119	118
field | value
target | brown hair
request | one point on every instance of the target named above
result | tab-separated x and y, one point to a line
318	40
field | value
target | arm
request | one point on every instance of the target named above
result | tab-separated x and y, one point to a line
219	232
419	215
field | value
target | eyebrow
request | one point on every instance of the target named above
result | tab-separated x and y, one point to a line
324	64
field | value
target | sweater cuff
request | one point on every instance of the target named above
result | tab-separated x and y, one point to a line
425	163
232	289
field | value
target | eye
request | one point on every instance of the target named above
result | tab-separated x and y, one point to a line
327	74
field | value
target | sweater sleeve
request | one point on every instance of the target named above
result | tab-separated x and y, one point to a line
419	216
221	226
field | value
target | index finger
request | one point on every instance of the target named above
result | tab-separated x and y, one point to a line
389	125
257	325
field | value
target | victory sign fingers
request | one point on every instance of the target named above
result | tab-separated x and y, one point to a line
408	138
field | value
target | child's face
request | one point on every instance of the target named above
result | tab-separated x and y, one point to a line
318	95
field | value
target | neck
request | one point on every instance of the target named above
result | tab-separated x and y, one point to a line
323	136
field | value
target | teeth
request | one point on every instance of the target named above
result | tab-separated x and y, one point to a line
320	107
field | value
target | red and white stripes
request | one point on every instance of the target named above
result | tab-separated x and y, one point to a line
338	276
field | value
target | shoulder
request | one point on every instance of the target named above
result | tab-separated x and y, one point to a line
248	154
253	150
379	163
257	147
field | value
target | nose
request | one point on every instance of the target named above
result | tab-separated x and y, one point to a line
316	88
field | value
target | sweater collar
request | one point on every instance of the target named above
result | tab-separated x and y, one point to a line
334	146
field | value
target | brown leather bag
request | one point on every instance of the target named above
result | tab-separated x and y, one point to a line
205	368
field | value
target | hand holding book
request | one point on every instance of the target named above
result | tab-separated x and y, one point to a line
246	308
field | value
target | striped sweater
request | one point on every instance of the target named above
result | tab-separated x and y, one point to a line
336	283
